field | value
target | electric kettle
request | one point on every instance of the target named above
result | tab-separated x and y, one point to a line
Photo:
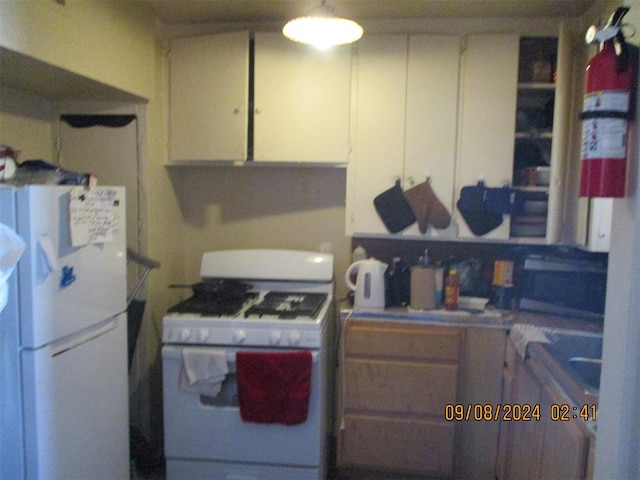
369	286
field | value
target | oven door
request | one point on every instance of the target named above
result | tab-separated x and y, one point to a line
205	429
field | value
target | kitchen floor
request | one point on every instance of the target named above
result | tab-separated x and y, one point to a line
160	475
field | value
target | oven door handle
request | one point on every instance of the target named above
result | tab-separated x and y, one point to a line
174	352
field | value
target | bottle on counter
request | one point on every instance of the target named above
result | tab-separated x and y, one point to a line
451	290
359	253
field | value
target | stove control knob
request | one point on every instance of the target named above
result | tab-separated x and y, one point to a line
202	334
294	338
185	333
275	337
239	336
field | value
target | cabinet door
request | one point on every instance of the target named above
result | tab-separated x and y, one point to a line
523	454
302	101
404	125
378	127
208	97
431	118
564	445
562	120
487	117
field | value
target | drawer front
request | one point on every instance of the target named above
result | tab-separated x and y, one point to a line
403	340
398	445
403	387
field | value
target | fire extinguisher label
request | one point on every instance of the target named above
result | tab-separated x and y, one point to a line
604	138
608	100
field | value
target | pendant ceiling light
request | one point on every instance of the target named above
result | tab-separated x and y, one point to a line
322	29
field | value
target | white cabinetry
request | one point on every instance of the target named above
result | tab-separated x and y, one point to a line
208	97
285	102
302	101
487	117
405	92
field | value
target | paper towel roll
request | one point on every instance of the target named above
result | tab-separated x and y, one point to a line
423	288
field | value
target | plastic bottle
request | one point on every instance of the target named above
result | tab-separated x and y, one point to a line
359	253
451	290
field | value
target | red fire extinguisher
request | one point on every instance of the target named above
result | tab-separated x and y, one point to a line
609	105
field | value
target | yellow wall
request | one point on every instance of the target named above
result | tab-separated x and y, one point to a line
262	207
25	124
111	42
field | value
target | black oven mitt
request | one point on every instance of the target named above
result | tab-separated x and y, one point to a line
393	208
472	207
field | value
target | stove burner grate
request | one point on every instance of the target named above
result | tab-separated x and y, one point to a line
288	305
212	307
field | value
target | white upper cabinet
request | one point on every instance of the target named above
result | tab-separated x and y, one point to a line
405	92
487	117
208	97
433	70
302	101
378	127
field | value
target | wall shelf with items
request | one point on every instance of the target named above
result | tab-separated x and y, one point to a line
534	134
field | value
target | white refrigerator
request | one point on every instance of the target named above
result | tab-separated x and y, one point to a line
63	366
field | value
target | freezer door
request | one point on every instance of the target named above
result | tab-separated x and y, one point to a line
65	288
76	406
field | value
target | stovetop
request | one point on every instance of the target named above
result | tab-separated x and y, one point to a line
287	305
265	319
213	307
258	305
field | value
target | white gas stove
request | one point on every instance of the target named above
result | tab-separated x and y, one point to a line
271	298
249	302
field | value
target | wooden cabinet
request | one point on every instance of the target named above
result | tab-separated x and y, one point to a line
544	449
395	381
208	97
302	101
278	102
405	92
513	78
543	128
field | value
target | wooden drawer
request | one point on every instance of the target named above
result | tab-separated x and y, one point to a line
403	387
398	445
390	339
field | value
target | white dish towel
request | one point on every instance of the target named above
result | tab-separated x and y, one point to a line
521	334
203	370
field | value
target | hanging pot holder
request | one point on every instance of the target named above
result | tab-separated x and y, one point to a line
471	205
394	210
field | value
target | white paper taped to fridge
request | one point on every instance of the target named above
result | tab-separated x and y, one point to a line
93	215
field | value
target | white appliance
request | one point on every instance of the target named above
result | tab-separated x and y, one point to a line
64	391
369	285
280	301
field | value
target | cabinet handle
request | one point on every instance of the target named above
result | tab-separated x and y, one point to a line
258	111
236	111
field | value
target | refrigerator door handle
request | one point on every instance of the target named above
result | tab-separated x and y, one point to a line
72	341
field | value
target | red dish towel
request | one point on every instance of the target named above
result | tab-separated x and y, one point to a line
274	387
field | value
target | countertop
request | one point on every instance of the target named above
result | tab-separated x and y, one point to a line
490	318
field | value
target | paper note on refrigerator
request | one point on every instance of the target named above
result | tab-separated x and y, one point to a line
93	215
